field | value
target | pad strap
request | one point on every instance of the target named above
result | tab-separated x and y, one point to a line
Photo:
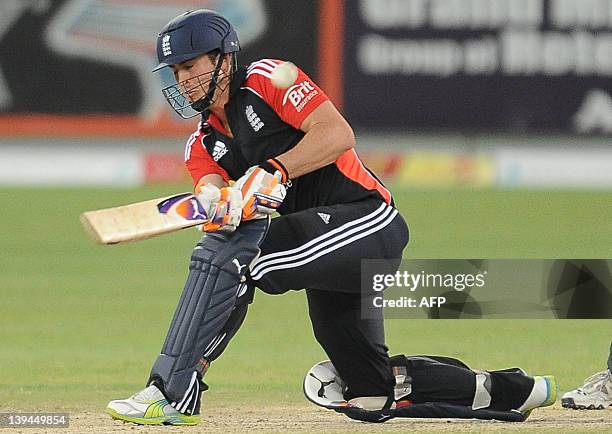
482	395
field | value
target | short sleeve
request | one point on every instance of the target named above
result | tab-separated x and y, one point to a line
198	161
293	104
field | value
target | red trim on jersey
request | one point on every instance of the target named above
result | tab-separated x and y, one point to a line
216	123
350	165
199	162
293	104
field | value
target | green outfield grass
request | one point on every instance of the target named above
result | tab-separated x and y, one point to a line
81	324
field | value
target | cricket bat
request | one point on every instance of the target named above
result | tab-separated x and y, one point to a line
142	220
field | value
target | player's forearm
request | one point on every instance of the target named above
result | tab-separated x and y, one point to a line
321	145
213	178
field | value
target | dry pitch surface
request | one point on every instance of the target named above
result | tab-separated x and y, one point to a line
308	419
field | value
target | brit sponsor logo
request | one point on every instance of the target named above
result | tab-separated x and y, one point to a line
299	94
219	150
166	48
253	118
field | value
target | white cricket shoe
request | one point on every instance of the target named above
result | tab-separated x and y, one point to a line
594	394
149	407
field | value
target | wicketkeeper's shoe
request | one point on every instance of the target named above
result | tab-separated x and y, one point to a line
149	407
543	394
594	394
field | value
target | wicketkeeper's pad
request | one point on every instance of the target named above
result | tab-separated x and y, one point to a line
324	387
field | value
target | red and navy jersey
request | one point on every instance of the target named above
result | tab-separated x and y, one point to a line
265	122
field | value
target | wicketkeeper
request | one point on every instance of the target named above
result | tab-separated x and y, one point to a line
289	151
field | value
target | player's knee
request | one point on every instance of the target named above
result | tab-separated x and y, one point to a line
400	237
327	331
269	287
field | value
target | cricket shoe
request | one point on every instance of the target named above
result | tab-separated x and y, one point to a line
543	394
594	394
149	407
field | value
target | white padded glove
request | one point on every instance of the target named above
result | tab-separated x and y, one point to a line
262	192
223	207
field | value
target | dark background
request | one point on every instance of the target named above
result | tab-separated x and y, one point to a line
45	82
538	103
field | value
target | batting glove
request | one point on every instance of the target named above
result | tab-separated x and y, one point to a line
223	207
262	189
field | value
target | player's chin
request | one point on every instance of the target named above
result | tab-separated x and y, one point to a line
194	96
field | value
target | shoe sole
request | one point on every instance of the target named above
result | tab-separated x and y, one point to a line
570	403
162	420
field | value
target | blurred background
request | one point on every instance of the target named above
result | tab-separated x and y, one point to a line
492	93
490	119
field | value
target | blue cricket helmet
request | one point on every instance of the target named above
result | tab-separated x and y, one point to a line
192	34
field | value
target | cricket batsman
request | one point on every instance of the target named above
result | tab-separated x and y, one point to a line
262	148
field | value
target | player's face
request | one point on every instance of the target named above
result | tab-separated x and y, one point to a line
193	76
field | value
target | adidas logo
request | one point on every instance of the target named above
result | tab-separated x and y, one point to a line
324	217
219	150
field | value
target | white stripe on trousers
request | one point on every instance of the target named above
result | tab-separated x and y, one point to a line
263	259
341	240
195	396
190	398
185	401
218	340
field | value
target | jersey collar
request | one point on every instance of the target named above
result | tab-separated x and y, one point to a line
237	81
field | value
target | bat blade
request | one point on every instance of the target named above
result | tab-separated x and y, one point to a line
142	220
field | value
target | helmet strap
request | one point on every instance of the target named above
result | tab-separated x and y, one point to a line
203	104
234	63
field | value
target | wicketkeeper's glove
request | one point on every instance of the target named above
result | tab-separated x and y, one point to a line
223	207
262	189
